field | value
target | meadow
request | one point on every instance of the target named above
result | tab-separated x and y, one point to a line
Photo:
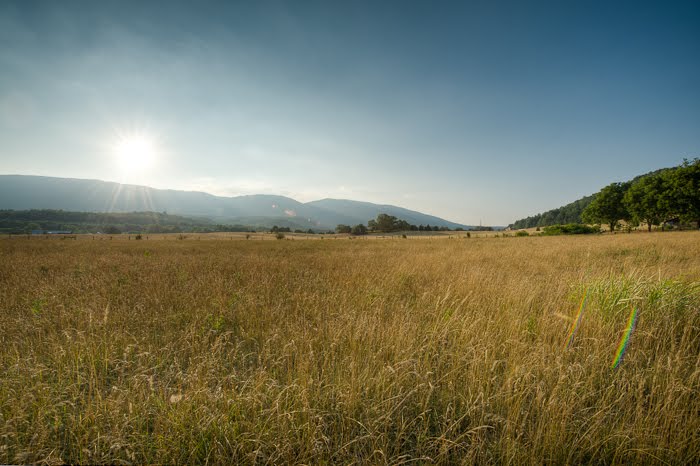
445	350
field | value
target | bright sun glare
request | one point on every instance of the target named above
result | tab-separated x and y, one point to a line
135	153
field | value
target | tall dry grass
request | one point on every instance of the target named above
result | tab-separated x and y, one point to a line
397	351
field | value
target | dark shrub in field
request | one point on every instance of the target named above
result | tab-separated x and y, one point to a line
570	229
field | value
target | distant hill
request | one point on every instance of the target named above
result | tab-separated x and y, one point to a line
20	192
23	221
570	213
366	210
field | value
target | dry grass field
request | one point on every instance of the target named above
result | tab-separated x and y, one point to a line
336	351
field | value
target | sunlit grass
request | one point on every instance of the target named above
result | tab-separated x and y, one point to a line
338	351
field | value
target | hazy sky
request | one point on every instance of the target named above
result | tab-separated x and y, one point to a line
472	111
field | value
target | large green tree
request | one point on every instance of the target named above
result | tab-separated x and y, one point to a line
386	222
684	191
608	206
645	200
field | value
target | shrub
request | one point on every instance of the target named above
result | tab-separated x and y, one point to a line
112	230
570	229
359	229
279	235
522	233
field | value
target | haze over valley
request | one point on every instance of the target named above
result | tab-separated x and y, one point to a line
33	192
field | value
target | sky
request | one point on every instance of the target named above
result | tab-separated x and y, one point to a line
477	112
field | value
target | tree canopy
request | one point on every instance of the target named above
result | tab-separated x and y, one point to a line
388	224
656	198
23	221
684	191
644	200
607	207
667	195
359	229
570	213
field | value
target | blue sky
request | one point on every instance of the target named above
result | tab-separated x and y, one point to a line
472	111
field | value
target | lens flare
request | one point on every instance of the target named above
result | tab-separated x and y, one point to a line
631	323
577	321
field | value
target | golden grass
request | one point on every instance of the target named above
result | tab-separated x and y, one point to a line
396	351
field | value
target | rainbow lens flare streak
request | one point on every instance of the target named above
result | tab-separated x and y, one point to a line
631	323
577	321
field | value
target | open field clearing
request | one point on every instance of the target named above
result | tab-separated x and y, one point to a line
443	350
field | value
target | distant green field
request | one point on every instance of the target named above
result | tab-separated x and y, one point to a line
444	350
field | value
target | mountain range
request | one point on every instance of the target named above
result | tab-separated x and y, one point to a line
23	192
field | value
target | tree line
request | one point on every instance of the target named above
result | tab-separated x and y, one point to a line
27	221
657	198
388	224
671	195
568	214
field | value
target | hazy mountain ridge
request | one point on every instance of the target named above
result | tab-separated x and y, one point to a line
23	192
368	210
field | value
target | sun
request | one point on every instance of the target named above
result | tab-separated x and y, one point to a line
135	153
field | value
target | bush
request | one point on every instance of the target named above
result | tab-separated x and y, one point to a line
522	233
570	229
359	229
279	235
112	230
